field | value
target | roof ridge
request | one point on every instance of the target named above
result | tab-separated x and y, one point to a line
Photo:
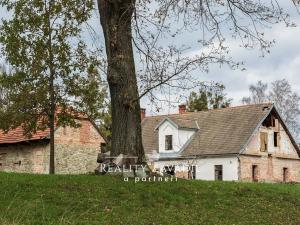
212	110
222	131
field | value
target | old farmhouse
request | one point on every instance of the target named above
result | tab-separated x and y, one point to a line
76	150
245	143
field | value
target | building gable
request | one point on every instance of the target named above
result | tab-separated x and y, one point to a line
86	134
272	137
168	131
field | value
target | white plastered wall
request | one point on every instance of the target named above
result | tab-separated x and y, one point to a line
205	167
180	136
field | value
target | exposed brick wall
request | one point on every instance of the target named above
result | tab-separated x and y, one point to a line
86	135
284	148
182	174
76	151
270	169
271	162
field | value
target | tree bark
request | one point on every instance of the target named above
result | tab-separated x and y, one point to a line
52	96
52	127
115	18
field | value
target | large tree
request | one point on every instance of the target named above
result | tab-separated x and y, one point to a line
285	99
258	93
138	29
209	97
53	76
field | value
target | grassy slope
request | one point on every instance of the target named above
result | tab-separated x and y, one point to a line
42	199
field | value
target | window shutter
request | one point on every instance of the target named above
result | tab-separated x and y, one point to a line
263	141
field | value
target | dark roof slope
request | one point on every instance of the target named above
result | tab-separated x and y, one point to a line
221	131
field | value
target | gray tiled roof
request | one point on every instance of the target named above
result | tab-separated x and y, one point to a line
181	123
221	131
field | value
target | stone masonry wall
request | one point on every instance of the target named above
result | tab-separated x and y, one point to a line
77	149
23	158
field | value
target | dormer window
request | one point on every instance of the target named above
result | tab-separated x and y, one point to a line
169	142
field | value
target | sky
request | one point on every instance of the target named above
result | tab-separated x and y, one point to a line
282	62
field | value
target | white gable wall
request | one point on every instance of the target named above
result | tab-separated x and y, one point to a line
180	136
286	145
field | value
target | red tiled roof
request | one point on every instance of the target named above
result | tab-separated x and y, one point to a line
17	135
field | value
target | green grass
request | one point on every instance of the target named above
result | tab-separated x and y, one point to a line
43	199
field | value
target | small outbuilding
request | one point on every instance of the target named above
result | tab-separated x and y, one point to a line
76	150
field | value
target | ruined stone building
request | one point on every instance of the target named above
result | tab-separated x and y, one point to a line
245	143
76	150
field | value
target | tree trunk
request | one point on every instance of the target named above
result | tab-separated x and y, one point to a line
52	129
115	17
52	122
52	95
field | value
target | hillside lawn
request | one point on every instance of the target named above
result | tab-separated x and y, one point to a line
88	199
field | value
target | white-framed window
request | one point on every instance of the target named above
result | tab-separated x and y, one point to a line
169	142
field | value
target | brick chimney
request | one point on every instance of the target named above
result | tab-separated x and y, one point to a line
182	109
143	113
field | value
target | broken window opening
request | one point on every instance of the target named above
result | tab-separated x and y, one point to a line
276	134
254	173
285	174
273	121
263	141
218	172
270	121
169	142
192	172
267	122
169	170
